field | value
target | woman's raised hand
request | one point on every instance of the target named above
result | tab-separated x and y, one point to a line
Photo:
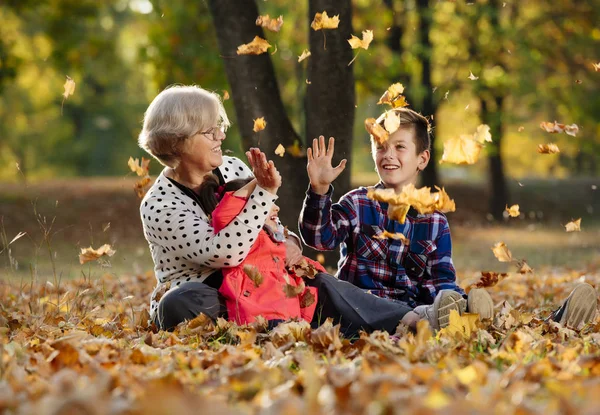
320	171
267	176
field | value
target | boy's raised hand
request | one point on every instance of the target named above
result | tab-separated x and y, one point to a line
320	171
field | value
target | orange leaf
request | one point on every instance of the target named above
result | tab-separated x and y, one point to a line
141	169
259	124
90	254
273	25
377	131
513	211
225	95
393	93
258	46
295	150
501	252
398	236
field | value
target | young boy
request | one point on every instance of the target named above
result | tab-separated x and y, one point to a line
413	273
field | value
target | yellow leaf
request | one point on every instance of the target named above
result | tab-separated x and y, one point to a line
273	25
467	375
141	169
501	252
513	211
548	149
320	258
521	128
305	54
524	268
367	38
472	77
280	150
90	254
323	21
574	226
295	150
378	133
398	212
436	399
141	185
391	121
483	134
596	66
254	275
69	87
462	325
398	236
225	95
256	47
393	93
259	124
462	150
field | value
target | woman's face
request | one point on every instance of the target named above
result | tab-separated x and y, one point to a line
203	150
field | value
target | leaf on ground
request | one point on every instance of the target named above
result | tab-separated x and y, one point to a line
378	133
501	252
323	21
269	23
280	150
367	38
460	325
573	226
259	124
91	254
388	235
305	54
258	46
254	275
327	335
513	211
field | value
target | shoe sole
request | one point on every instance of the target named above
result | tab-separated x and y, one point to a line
448	301
581	306
480	302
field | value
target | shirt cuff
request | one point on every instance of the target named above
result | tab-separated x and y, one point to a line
316	200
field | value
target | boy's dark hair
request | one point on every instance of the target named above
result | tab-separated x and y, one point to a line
419	123
210	191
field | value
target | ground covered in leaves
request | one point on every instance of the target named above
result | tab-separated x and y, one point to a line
84	347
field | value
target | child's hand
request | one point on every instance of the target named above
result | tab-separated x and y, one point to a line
320	171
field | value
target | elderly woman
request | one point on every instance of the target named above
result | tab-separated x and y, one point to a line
183	129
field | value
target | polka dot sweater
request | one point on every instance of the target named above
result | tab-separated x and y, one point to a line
182	242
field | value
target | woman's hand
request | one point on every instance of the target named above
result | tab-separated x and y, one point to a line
267	176
320	171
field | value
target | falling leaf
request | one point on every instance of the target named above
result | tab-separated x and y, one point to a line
548	149
513	211
489	279
398	212
254	275
295	150
367	38
520	129
141	186
69	87
91	254
391	121
483	134
555	127
273	25
523	267
573	226
280	150
323	21
389	235
305	54
578	81
259	124
461	150
139	168
256	47
225	95
292	291
473	77
393	96
377	131
320	258
501	252
596	66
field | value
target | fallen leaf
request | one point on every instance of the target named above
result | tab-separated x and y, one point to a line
472	77
578	81
304	269
323	21
460	325
69	87
259	124
268	23
254	275
398	236
573	226
367	38
256	47
139	168
378	133
461	150
280	150
91	254
548	149
305	54
513	211
501	252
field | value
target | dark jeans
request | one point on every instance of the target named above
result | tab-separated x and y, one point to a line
346	304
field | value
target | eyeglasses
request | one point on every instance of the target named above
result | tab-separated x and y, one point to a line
213	133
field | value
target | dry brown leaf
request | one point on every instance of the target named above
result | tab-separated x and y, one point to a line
304	269
327	335
141	186
513	211
323	21
259	124
393	96
489	279
91	254
548	149
377	131
524	268
501	252
555	127
461	150
139	168
574	226
307	299
305	54
367	38
258	46
268	23
254	275
280	150
388	235
292	291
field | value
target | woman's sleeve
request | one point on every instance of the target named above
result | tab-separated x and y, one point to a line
188	235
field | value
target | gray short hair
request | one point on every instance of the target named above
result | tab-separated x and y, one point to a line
177	113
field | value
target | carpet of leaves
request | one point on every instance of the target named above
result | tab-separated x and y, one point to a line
84	347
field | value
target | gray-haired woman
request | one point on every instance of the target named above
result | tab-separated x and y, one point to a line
184	127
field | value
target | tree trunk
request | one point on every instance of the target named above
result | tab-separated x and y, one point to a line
430	175
330	95
255	94
498	188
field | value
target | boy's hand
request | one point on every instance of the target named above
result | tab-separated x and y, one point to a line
267	176
320	171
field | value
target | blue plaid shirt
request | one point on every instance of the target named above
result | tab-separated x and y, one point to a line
412	273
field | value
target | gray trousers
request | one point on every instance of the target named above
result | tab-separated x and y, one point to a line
348	305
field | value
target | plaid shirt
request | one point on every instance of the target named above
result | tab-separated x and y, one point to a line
411	273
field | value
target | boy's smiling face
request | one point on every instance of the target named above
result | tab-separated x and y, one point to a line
396	161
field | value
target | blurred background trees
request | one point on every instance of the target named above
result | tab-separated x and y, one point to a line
533	62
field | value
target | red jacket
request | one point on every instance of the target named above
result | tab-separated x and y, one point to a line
245	300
